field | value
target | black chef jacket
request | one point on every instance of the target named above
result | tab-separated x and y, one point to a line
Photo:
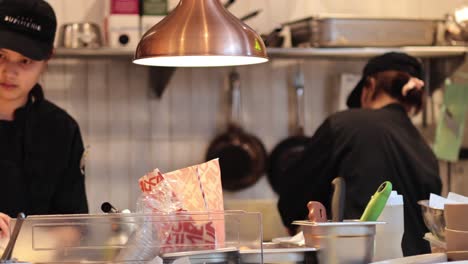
40	154
366	147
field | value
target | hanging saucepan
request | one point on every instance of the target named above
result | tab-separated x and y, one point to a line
274	38
291	148
229	3
242	156
250	15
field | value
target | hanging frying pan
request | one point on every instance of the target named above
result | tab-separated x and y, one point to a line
291	148
242	156
229	3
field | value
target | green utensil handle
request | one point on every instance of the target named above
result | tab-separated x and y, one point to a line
377	202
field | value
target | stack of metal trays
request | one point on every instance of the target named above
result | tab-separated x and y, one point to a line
352	31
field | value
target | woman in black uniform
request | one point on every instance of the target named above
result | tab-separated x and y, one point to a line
40	144
373	142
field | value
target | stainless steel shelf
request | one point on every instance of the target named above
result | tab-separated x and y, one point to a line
98	53
440	61
286	53
360	53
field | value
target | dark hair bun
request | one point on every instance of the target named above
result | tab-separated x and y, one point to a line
397	83
392	83
413	98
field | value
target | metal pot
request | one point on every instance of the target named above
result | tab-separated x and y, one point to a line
80	35
273	39
341	242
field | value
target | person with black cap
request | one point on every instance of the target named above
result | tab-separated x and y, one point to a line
373	142
40	144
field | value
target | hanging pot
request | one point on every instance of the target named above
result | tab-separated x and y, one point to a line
242	156
274	38
291	148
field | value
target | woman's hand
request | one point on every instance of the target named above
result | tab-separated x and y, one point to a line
4	225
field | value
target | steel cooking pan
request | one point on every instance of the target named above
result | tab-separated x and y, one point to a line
291	148
242	156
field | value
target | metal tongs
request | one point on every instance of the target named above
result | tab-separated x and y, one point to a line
6	257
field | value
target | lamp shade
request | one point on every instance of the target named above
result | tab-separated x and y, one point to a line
200	33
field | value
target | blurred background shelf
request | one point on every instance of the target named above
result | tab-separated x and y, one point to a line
287	53
98	53
367	52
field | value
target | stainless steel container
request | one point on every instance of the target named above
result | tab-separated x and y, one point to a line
221	256
279	253
349	31
347	242
139	238
80	35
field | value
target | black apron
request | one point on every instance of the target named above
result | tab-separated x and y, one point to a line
14	194
40	153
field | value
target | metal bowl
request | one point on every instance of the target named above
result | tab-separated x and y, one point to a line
434	219
80	35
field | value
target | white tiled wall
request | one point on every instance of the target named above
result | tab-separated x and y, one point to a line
130	132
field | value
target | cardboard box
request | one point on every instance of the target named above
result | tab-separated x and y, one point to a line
123	7
155	7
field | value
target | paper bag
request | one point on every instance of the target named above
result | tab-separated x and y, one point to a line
194	189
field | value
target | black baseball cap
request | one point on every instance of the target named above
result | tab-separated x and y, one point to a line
27	27
395	61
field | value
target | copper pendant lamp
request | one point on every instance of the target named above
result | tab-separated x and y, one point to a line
200	33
